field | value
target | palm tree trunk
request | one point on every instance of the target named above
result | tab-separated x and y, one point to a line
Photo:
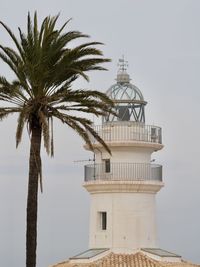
32	199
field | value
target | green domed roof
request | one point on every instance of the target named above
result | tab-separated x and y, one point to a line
124	91
128	99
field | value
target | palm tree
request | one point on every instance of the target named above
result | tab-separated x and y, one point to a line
45	66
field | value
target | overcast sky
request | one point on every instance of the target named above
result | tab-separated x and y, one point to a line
161	41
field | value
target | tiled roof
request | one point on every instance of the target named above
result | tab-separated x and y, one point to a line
126	260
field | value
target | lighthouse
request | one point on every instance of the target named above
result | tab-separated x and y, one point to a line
123	187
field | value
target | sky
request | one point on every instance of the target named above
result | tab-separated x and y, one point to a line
161	41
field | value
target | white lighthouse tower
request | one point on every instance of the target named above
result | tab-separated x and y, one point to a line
123	185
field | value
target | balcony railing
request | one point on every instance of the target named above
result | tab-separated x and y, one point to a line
123	172
129	132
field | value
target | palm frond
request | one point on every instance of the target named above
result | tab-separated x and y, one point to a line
11	92
97	137
4	112
19	48
35	29
87	99
90	63
90	110
8	62
64	25
75	125
41	33
20	126
82	126
45	130
30	37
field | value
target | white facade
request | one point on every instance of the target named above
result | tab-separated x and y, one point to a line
130	220
123	185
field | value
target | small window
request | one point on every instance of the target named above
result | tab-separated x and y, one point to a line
103	220
123	113
107	165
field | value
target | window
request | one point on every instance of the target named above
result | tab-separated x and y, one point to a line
103	220
107	165
123	113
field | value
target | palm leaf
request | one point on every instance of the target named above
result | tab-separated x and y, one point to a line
45	130
19	48
20	126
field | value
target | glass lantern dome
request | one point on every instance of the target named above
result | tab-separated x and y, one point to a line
128	99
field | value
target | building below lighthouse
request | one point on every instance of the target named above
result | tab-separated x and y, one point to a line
123	187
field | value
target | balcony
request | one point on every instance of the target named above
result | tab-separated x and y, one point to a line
123	172
114	132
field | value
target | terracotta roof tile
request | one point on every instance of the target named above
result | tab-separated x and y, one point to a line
127	260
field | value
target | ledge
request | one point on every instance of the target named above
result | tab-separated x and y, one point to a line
154	146
123	186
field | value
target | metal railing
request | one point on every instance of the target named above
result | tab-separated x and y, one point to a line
129	132
123	172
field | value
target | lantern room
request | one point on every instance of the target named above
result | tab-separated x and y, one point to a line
128	99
